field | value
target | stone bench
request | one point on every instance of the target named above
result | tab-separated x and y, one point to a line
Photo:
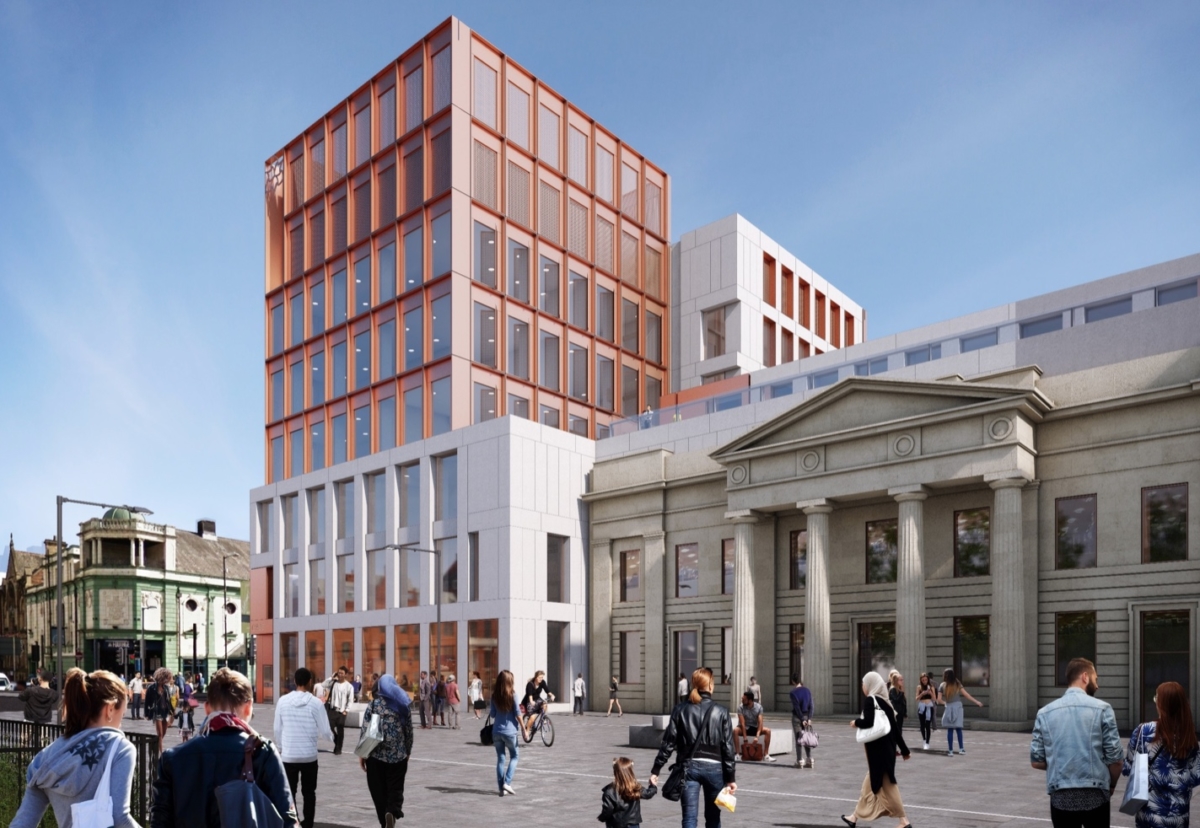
650	736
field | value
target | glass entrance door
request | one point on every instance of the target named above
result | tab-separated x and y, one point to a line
876	649
1166	654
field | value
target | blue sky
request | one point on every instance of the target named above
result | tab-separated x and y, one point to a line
929	159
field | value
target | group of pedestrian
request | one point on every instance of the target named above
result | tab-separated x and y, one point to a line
438	696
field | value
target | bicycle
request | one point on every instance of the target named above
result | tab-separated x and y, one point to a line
541	724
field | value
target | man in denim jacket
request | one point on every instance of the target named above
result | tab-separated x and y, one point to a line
1075	741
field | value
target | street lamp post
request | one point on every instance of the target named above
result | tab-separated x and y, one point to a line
437	588
61	614
225	606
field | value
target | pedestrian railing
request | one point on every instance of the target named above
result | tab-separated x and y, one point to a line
21	741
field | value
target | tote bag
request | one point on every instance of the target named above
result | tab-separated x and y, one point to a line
97	812
808	737
369	738
486	738
878	729
1137	792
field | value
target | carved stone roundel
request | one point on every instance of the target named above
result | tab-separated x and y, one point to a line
738	474
1000	428
810	461
904	445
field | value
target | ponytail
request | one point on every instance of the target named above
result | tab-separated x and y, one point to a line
702	682
85	696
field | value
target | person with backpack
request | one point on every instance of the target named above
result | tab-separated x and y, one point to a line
185	792
387	764
439	700
92	762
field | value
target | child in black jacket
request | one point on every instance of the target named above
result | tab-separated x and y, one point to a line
621	802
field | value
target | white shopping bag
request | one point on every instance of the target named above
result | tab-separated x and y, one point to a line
97	812
1137	792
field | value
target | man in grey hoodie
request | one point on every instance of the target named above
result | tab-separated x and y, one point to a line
39	699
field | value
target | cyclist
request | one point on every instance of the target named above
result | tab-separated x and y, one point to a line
536	695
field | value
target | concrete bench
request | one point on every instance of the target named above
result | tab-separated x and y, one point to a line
650	736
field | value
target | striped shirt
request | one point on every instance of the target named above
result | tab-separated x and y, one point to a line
300	719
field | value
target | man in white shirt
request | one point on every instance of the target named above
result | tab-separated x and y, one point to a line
681	689
136	687
340	697
300	720
755	690
580	692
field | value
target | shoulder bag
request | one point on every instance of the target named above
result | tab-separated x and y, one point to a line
1137	791
370	737
808	736
241	803
879	728
485	733
97	812
672	789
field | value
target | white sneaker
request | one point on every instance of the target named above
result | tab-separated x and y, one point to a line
926	746
510	789
770	758
799	763
962	751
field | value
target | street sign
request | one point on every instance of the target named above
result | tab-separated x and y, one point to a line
118	644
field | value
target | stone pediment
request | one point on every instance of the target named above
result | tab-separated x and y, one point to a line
862	404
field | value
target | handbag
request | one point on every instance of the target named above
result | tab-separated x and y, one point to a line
672	789
485	733
808	737
1137	792
369	738
97	812
480	704
879	728
241	803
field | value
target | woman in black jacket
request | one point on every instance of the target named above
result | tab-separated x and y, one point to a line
700	729
880	796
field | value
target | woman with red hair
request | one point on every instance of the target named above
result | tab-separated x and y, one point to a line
1174	759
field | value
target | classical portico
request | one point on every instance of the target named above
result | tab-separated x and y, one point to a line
870	442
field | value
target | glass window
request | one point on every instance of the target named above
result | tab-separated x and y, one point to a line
338	287
485	93
629	194
316	445
687	571
727	566
687	652
631	576
485	335
548	136
291	591
1041	326
518	116
387	349
972	662
316	515
296	452
362	135
1164	523
629	325
414	257
362	431
1108	310
440	234
414	98
630	657
977	341
1075	524
714	333
362	360
548	415
548	287
518	271
414	338
972	542
440	407
386	411
277	329
345	577
485	255
518	348
876	648
376	497
605	318
277	395
558	589
881	551
290	506
414	179
577	425
798	559
445	487
339	369
317	173
316	295
629	391
296	305
1175	293
604	174
578	299
343	496
605	383
441	330
653	395
410	494
339	151
549	360
1074	637
339	439
362	285
824	379
448	549
473	566
266	528
1166	655
316	593
387	272
928	353
874	366
485	403
518	406
653	337
577	371
414	415
387	117
376	585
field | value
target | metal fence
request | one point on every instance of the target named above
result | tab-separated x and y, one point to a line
21	741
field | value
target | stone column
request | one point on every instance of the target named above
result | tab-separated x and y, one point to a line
133	551
910	584
818	653
141	552
1009	670
600	622
745	634
656	679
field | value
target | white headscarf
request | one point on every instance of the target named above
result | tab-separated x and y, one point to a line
874	685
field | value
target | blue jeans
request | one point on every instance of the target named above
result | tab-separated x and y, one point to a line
704	779
950	731
505	742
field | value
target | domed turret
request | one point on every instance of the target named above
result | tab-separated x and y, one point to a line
118	513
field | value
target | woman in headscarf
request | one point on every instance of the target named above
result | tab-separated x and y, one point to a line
880	796
387	765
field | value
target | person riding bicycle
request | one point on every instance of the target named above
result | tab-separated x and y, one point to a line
536	695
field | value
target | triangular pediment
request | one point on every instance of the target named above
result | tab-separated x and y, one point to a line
859	403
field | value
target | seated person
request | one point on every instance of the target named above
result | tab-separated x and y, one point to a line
535	690
750	726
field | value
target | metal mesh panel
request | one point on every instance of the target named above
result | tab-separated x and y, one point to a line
414	179
387	195
316	175
518	194
362	135
518	117
440	147
548	136
441	79
629	250
362	210
484	185
387	118
414	99
577	221
339	225
604	244
485	93
297	249
339	151
577	155
653	272
629	191
654	207
297	182
548	211
604	174
316	241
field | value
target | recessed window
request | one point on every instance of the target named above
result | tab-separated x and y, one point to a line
445	487
518	406
972	657
548	286
604	383
518	348
485	403
577	371
1176	293
296	380
316	393
687	570
345	576
362	360
629	191
548	415
339	151
653	395
1074	637
927	353
440	326
1164	523
376	585
376	497
629	645
517	122
977	341
414	338
276	395
343	504
577	299
728	545
485	335
485	255
549	360
972	542
387	349
714	332
409	481
362	285
687	652
577	155
440	63
386	412
414	179
631	576
339	370
653	337
577	425
338	286
316	445
548	137
798	559
629	391
440	407
338	432
1041	326
414	414
387	117
362	432
824	379
485	93
604	174
558	589
440	234
296	306
768	343
629	326
881	551
277	329
414	256
1108	310
1075	523
518	271
276	458
362	135
870	367
605	239
605	314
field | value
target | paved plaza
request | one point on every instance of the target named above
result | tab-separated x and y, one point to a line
451	780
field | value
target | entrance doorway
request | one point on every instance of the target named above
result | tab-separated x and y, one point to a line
1166	654
876	649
